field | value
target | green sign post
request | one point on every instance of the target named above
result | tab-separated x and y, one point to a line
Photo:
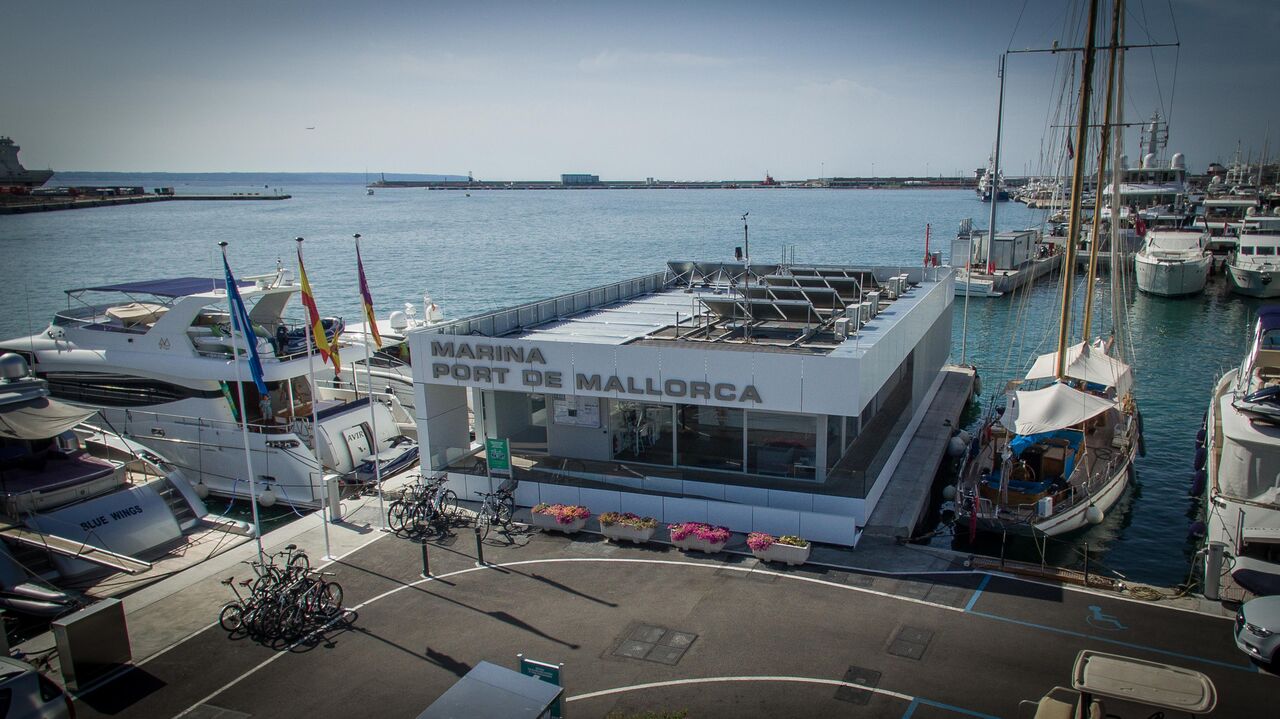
549	673
499	453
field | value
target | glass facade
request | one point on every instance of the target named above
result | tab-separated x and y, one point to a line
643	432
782	445
710	437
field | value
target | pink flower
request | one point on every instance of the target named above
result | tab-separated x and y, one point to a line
705	532
564	513
759	541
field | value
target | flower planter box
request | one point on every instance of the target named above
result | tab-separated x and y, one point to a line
547	522
785	553
622	532
692	543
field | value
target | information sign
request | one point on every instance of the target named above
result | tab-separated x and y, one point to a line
549	673
499	453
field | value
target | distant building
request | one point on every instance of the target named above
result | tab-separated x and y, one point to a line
579	179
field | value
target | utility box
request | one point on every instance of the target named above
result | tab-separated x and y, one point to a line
92	643
1044	507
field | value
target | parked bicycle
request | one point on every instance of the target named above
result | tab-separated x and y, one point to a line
423	506
283	601
495	508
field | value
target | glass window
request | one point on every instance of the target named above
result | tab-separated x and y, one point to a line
782	444
642	432
710	437
1266	250
1246	250
834	446
850	430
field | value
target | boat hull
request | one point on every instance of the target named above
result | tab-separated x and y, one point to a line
996	284
1171	279
1253	282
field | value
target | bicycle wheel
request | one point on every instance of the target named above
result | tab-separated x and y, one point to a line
484	521
231	617
395	516
506	509
299	563
331	598
448	505
421	518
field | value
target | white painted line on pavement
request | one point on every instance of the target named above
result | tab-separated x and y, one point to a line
712	680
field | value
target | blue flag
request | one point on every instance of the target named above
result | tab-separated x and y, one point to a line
240	322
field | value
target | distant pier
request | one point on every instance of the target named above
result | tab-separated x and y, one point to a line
21	204
827	183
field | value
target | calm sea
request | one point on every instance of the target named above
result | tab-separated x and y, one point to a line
496	248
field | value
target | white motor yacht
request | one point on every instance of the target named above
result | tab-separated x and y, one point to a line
1242	462
75	501
1256	262
1173	263
156	359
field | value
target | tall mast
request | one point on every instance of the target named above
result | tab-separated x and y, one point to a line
994	187
1117	177
1077	188
1102	174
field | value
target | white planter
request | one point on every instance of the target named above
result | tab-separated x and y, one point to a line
692	543
785	553
621	532
548	522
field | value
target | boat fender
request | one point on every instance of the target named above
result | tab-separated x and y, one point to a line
949	493
956	446
1200	437
1198	482
1197	530
964	436
1094	514
1201	455
201	490
977	385
267	497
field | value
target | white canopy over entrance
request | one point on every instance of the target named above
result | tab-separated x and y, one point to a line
1088	363
1055	407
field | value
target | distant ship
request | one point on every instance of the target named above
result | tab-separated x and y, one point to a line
13	174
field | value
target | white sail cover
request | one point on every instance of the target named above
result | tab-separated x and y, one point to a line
1057	406
40	419
1087	363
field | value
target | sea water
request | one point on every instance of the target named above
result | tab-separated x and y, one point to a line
493	248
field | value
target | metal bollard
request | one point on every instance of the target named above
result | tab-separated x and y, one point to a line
479	549
426	562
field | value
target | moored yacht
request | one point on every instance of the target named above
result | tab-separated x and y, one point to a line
75	501
1242	442
1256	261
157	360
986	268
1173	263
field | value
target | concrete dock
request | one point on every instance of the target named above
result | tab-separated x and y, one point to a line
650	628
905	501
18	205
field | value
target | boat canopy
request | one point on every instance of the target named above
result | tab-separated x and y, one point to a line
175	287
1087	363
1057	406
40	419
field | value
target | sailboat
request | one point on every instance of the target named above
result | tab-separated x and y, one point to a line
1058	455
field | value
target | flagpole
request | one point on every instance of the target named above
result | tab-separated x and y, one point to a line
368	369
315	421
244	416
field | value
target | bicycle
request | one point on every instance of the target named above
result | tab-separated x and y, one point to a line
422	506
495	507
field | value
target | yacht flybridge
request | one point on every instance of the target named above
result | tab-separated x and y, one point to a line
156	358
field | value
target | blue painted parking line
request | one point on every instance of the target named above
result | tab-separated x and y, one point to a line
1117	642
911	709
986	579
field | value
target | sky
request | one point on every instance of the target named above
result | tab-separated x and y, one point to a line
625	90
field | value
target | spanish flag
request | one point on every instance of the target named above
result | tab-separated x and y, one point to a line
327	353
368	298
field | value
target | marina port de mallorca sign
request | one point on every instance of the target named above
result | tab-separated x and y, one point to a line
474	363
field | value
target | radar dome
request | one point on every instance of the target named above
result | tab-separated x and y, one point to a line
12	366
399	320
1149	161
1179	161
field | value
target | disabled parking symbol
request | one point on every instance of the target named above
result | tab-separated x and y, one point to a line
1103	621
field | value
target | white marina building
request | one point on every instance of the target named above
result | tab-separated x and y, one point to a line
768	399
